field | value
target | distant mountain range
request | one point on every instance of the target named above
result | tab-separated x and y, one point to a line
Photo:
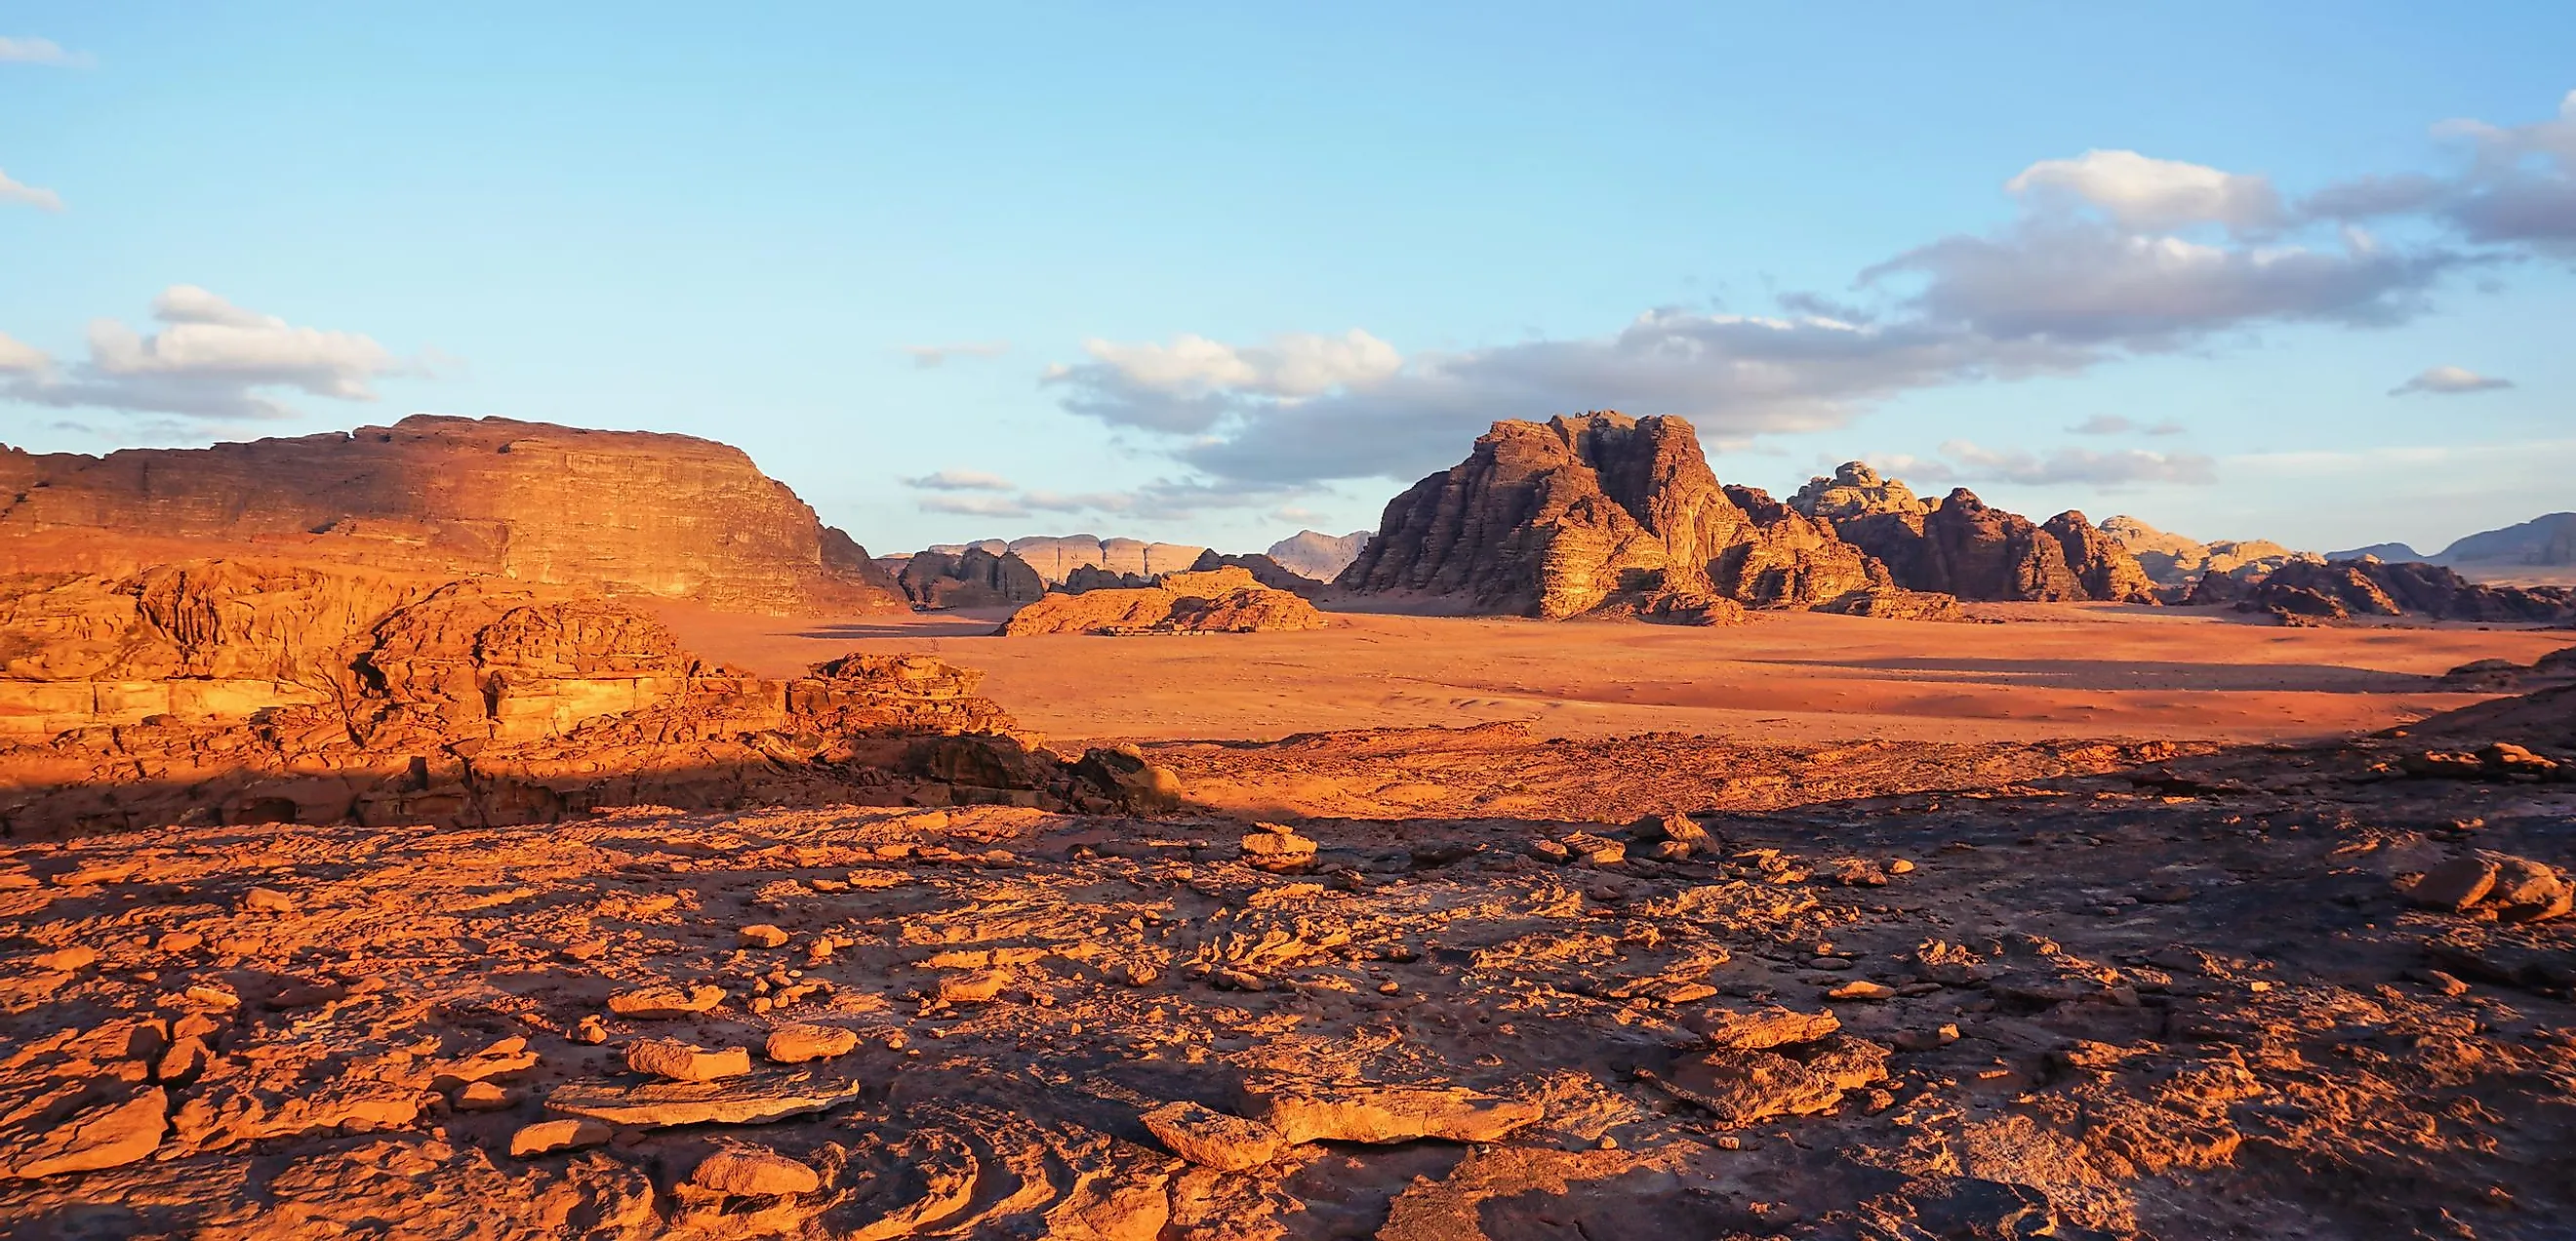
2546	541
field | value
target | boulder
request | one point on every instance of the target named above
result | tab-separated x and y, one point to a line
754	1173
796	1042
549	1137
1213	1139
683	1062
1896	603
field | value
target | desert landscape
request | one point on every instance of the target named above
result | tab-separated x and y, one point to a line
1286	623
1581	860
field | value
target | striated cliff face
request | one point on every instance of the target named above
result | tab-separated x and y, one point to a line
1602	512
618	511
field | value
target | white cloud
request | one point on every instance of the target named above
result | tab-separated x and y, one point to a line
1962	461
12	191
29	50
2449	380
211	359
975	505
19	357
2143	194
928	356
961	480
1193	382
2085	282
2104	424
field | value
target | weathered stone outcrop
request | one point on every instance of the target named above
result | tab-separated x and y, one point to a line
1264	570
974	578
1962	547
1090	577
1598	513
1317	555
2337	590
2174	562
1896	603
235	692
1855	490
618	512
1225	600
2105	567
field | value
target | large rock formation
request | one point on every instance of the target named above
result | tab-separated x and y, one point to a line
1055	557
244	692
2336	590
2175	562
1961	546
1222	600
974	578
1602	513
1319	556
616	511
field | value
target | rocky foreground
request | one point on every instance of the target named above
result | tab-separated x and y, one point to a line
2080	993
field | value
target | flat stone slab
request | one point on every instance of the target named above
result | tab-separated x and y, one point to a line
656	1105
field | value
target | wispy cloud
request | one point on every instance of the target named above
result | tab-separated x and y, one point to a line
961	480
14	191
2449	381
209	359
2115	424
29	50
928	356
1962	461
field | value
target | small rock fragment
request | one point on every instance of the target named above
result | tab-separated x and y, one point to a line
1861	989
762	935
665	1002
1213	1139
65	960
1772	1026
547	1137
590	1029
1273	847
684	1062
268	900
797	1042
482	1097
973	988
754	1173
1596	850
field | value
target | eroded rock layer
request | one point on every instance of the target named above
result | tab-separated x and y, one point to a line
238	692
1602	512
615	511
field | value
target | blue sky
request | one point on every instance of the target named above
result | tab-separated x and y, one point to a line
1216	275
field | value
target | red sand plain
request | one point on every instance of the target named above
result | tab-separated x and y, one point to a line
2049	671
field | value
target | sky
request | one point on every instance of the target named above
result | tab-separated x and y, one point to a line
1212	274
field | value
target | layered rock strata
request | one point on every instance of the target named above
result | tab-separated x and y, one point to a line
619	512
242	693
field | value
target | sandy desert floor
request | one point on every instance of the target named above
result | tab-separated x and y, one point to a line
2049	671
